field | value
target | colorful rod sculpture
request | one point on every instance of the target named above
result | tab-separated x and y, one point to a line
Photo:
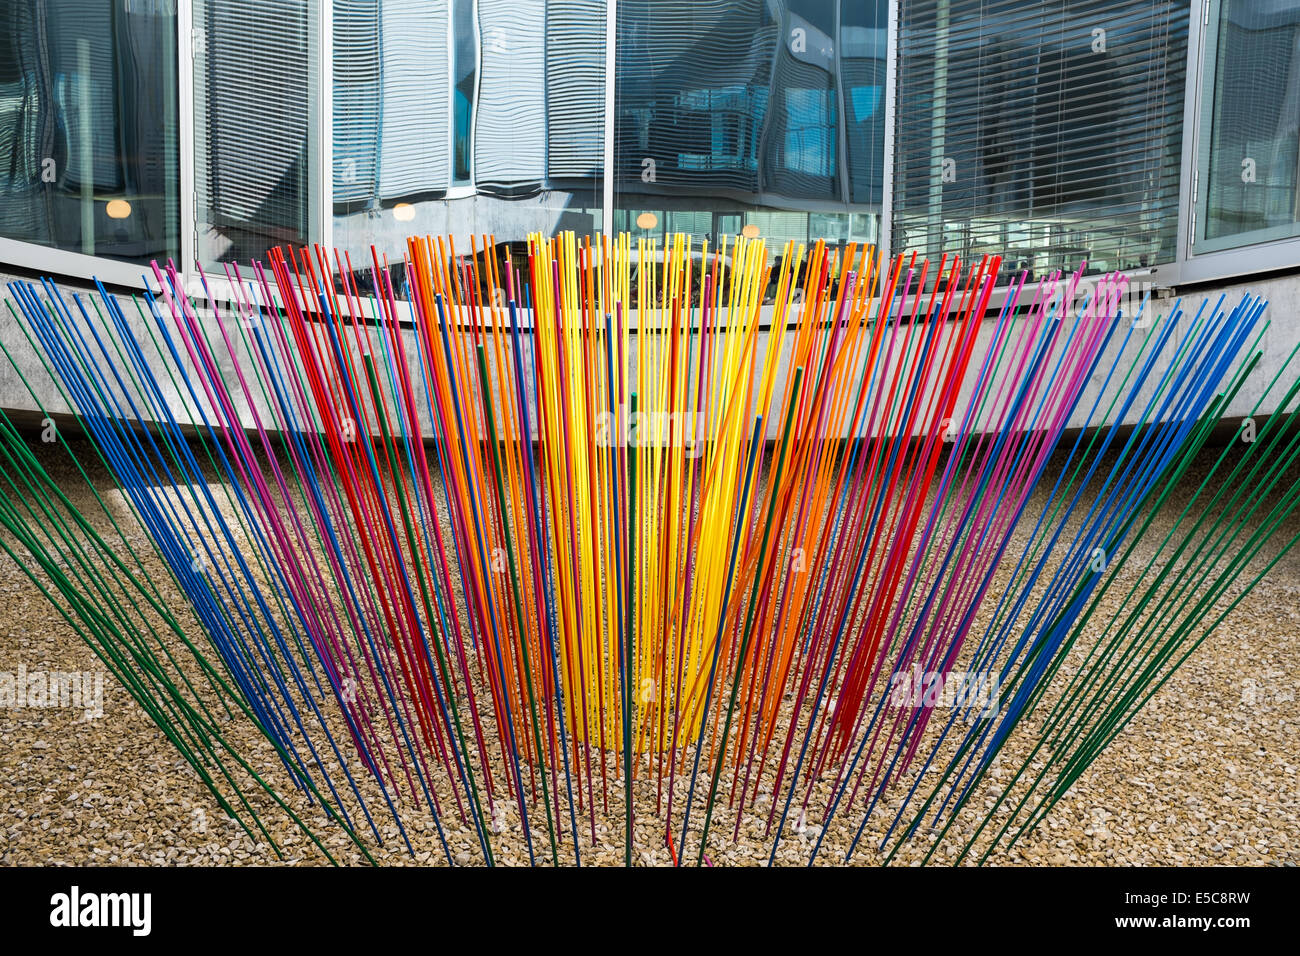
598	540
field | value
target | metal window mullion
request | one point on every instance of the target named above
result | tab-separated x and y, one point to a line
842	120
474	101
450	76
1192	104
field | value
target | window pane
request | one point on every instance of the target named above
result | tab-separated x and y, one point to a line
464	76
1048	131
1249	169
88	141
255	109
752	114
466	118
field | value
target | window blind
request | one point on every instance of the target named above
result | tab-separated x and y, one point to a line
694	81
1051	130
414	63
255	78
356	106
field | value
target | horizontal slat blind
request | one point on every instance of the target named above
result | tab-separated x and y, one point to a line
391	99
1256	116
694	82
356	106
74	28
1050	130
254	85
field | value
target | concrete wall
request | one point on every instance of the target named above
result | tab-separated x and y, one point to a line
1282	335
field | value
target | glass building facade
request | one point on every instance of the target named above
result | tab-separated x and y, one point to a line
1154	137
466	118
89	128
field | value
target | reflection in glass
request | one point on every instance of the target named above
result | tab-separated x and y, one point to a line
88	126
464	76
1250	172
750	113
466	118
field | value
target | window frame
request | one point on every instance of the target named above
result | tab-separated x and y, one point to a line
320	158
65	264
1221	264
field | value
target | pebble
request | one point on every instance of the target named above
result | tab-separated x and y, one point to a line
1205	774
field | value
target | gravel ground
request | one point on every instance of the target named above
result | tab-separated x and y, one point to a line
1206	774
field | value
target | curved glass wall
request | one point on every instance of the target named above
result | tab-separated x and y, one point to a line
88	127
